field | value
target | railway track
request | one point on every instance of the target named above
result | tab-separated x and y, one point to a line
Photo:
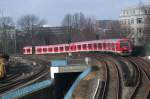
143	90
113	91
118	77
131	77
100	91
109	87
144	65
125	77
17	80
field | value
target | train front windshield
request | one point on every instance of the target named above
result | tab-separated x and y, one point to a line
124	44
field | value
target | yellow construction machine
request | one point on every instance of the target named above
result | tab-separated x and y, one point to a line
3	61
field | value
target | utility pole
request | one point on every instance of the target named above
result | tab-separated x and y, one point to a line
15	42
2	30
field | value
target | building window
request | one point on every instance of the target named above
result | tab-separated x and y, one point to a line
121	22
128	21
132	21
139	20
125	21
139	30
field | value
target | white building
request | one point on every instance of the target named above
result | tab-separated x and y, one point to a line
135	22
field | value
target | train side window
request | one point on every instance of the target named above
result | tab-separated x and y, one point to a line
124	43
44	49
67	48
28	50
39	50
84	46
71	47
50	49
61	49
90	46
56	49
79	47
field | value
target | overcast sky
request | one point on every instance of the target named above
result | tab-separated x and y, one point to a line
54	10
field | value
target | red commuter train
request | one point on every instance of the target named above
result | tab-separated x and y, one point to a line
118	46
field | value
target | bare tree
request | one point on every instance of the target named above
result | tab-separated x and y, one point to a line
90	28
79	27
67	24
7	29
6	21
27	23
114	29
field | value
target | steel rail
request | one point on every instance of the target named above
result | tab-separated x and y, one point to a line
144	82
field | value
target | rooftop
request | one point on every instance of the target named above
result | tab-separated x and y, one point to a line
147	5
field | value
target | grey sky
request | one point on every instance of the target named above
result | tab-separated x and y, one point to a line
54	10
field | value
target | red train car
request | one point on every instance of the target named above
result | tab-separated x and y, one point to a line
119	46
27	50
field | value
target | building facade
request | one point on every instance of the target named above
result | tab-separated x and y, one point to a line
49	35
135	23
108	29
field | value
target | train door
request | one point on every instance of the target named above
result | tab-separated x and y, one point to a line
99	46
104	46
90	47
29	50
95	46
84	46
33	49
56	49
67	48
45	50
38	50
50	50
72	48
61	48
79	47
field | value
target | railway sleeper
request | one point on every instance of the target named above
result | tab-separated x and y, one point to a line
100	91
131	80
130	77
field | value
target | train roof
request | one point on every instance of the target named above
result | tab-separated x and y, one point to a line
103	40
83	42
